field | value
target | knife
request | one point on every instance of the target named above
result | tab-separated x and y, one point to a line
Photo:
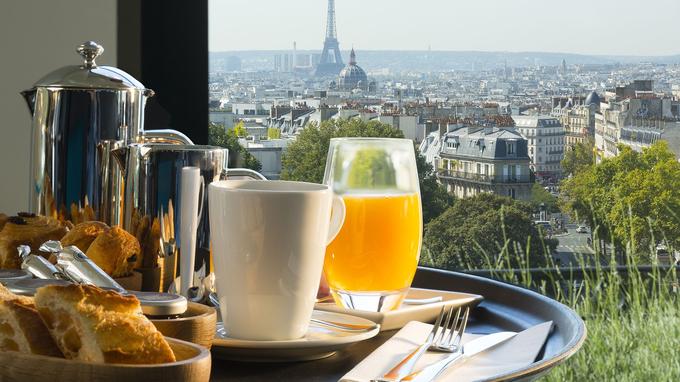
470	349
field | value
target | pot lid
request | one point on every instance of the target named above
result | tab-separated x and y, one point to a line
89	75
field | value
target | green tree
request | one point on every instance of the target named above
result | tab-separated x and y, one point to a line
578	157
238	155
633	199
372	168
539	196
240	130
273	133
435	197
484	231
305	158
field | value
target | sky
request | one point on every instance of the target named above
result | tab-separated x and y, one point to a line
608	27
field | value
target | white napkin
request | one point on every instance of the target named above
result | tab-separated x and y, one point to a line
511	355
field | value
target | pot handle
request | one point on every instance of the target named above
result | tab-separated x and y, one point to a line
243	172
168	136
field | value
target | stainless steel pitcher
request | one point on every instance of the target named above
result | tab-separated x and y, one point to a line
152	199
80	114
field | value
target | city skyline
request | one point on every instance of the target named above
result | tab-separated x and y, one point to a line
512	26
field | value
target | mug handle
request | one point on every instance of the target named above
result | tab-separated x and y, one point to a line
244	172
338	212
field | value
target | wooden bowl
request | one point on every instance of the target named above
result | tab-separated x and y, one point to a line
193	364
196	325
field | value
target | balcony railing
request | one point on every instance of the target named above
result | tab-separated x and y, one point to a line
541	134
483	178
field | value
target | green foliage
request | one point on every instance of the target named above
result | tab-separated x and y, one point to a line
578	157
540	195
371	168
632	318
238	155
634	197
273	133
240	130
485	230
305	159
435	197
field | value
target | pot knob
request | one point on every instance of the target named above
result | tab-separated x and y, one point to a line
90	50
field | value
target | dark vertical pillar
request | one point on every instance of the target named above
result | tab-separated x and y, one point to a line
164	44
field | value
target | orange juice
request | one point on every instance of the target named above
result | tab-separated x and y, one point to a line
378	246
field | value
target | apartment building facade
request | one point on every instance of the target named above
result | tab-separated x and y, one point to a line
546	139
471	160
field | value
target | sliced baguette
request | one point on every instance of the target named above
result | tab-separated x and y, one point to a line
90	324
21	328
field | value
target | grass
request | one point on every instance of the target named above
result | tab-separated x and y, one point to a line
633	320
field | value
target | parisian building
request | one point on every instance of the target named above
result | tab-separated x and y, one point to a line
471	160
546	137
636	116
577	115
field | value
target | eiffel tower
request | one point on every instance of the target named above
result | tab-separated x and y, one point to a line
330	63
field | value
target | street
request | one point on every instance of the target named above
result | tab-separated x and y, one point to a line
571	246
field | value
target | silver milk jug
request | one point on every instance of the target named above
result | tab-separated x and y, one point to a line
154	203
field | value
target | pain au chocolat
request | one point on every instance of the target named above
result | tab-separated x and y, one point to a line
28	229
83	234
90	324
115	251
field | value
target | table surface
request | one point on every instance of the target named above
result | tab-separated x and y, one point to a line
505	307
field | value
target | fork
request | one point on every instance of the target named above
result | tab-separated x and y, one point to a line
437	340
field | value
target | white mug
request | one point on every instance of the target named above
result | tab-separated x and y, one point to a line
268	244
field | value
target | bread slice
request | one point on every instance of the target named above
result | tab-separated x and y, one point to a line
21	328
90	324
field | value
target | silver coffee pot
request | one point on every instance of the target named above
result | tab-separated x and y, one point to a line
80	114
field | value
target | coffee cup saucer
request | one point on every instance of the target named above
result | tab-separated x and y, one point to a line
320	341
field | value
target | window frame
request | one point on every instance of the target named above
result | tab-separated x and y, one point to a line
164	44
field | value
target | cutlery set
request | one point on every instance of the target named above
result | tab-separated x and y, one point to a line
446	336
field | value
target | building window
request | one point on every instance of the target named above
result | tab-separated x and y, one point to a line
510	147
511	192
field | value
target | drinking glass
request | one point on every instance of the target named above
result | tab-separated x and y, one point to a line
371	263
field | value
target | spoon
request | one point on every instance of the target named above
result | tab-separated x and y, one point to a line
212	297
407	301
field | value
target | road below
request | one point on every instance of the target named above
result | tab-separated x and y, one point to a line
572	246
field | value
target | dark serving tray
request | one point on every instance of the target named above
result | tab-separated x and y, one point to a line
505	307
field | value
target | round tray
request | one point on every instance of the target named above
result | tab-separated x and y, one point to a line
505	307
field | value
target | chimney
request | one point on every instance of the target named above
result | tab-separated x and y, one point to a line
443	128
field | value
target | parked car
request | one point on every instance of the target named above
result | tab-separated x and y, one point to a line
582	229
544	225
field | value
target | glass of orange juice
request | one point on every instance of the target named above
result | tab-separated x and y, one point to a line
370	264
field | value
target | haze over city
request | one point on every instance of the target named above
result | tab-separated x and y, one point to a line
578	26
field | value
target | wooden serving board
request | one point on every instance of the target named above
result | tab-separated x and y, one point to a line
192	365
196	325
